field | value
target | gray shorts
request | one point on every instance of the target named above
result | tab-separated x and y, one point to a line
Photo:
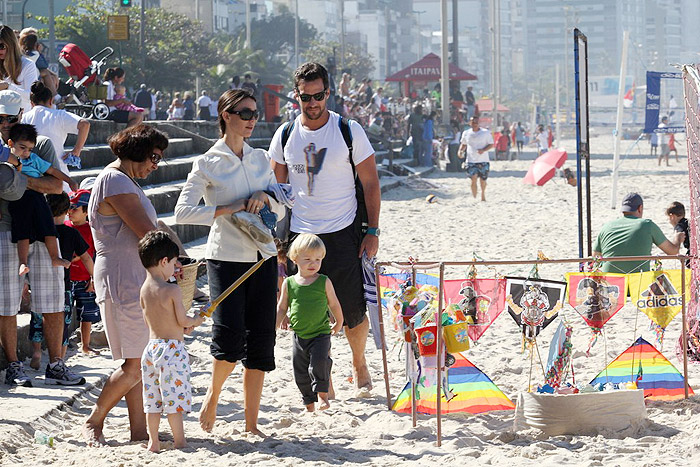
11	291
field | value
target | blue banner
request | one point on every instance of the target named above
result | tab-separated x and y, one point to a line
653	104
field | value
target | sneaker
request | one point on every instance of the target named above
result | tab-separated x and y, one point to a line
62	375
15	375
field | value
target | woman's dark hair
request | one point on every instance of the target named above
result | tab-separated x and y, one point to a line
28	43
310	71
137	143
112	73
156	245
59	204
40	93
228	101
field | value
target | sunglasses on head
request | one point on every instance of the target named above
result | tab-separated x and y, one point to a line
9	119
319	96
246	114
156	158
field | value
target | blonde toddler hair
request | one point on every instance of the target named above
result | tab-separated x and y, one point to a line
305	242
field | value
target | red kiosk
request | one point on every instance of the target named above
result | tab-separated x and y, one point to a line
425	70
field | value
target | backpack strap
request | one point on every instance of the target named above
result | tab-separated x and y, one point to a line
344	125
286	132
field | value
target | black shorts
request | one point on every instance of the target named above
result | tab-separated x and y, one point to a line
344	268
119	116
243	326
31	217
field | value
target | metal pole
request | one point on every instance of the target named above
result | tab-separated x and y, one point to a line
684	339
52	33
247	24
618	123
196	78
296	33
444	66
387	42
24	4
4	11
142	36
342	35
440	354
579	187
496	62
557	128
455	32
382	338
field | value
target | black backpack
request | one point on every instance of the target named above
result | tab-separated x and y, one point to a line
344	125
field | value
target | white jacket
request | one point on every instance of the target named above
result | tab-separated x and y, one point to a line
221	177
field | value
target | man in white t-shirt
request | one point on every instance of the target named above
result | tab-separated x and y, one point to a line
203	104
315	159
213	109
477	142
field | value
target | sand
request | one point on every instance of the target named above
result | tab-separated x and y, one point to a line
514	223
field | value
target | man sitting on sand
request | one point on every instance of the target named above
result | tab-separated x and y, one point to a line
631	235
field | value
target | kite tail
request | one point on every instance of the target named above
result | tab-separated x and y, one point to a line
659	331
595	333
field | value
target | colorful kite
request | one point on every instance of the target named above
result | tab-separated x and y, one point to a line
658	294
644	364
481	299
534	303
473	392
559	357
596	296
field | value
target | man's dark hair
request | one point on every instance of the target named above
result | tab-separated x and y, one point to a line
58	204
676	208
23	132
156	245
310	71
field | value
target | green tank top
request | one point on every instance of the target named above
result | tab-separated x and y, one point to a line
308	308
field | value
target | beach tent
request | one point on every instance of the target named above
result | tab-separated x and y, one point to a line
427	69
474	393
642	363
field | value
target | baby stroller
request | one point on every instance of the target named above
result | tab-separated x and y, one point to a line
84	86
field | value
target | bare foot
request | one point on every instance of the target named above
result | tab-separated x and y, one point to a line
23	269
331	390
362	377
207	416
324	401
139	435
35	362
60	262
310	407
89	351
180	444
92	434
254	430
154	445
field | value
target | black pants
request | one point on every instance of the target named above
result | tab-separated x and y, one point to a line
312	366
244	324
31	217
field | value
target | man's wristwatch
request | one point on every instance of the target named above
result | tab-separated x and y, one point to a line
374	231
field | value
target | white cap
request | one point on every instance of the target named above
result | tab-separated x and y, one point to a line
10	102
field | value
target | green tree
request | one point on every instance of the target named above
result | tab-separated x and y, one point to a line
359	62
175	46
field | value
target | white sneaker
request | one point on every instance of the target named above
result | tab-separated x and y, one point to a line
62	375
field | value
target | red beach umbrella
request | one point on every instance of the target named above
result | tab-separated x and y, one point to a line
555	157
539	173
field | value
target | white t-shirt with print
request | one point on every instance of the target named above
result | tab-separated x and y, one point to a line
475	141
320	173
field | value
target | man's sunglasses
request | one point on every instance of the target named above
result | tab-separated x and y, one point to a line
9	118
319	96
156	158
246	114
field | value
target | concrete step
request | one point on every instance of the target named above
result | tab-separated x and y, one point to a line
185	232
263	142
99	155
164	197
171	170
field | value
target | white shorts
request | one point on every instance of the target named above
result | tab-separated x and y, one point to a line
165	374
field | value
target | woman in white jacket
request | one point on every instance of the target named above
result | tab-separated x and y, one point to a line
232	177
17	72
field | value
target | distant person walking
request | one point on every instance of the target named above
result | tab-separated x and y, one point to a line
519	137
414	128
204	103
664	139
476	142
470	102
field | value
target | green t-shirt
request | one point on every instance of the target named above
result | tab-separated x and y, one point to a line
308	307
628	236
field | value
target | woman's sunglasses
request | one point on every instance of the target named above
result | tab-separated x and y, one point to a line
319	96
156	158
245	114
2	46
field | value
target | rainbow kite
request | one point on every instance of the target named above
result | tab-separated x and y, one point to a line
474	393
646	366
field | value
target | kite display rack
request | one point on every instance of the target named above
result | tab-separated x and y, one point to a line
413	266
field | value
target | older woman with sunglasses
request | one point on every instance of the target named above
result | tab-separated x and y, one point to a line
232	177
17	72
120	215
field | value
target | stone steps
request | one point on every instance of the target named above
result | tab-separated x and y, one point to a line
99	155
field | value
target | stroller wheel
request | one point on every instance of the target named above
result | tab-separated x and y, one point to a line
100	111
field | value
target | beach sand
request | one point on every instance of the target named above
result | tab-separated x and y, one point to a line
514	223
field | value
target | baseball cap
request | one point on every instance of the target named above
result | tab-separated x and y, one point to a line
10	102
88	183
631	202
12	183
79	198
